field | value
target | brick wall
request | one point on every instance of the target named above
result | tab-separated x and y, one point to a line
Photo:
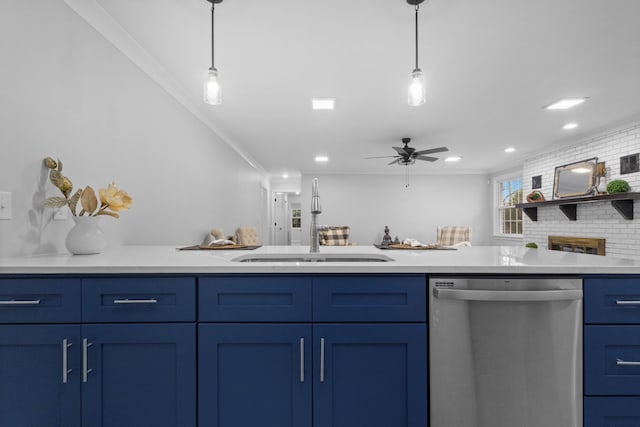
593	219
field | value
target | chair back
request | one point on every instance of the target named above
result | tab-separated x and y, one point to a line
454	235
247	236
335	236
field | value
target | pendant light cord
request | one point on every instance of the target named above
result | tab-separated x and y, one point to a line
417	8
212	38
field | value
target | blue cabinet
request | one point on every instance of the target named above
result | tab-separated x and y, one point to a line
372	375
612	351
139	375
254	375
57	371
611	411
39	375
366	336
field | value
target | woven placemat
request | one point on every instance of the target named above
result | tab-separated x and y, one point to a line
416	248
217	247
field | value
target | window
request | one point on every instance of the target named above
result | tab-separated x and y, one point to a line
509	218
296	218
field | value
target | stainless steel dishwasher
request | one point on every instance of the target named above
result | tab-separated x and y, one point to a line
505	352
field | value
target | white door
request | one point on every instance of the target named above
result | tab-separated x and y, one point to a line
281	220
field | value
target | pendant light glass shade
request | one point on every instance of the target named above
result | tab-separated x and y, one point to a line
417	88
212	92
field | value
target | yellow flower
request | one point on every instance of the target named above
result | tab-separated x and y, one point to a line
65	186
114	198
50	163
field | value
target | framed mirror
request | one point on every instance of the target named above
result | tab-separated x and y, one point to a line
575	179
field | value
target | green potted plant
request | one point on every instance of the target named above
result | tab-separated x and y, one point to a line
617	186
531	245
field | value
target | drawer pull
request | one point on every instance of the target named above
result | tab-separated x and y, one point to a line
21	302
65	360
85	359
321	360
301	360
621	362
135	301
627	302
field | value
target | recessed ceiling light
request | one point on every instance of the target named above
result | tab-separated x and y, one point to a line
453	159
323	103
285	175
509	150
321	159
565	103
570	126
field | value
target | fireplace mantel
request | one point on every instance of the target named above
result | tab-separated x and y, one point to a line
585	245
622	202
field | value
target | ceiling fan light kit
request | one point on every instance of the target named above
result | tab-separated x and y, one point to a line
212	92
408	155
417	88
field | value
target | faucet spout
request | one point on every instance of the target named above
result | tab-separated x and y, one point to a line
316	209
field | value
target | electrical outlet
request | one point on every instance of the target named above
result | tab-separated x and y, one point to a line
5	205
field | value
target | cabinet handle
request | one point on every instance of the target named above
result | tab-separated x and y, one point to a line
321	360
65	360
621	362
135	301
85	362
627	302
20	302
301	360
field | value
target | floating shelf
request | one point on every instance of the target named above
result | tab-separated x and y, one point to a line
622	202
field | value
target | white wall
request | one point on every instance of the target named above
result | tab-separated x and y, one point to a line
593	219
367	203
68	93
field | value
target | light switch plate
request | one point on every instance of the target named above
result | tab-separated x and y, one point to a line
5	205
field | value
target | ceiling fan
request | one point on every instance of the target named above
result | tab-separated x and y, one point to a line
408	155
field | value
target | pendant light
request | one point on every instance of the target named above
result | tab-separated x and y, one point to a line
417	90
212	92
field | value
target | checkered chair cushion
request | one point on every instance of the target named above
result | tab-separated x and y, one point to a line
454	236
247	236
335	236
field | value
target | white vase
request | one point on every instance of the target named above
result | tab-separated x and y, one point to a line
86	237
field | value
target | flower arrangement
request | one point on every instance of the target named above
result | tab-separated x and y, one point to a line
112	199
535	196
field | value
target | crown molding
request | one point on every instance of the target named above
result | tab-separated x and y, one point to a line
98	18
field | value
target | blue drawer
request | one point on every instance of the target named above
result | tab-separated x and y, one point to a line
612	300
612	360
611	411
139	299
376	298
254	299
40	300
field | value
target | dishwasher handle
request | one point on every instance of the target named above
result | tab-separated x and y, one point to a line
520	296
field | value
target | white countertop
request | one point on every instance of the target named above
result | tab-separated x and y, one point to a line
476	259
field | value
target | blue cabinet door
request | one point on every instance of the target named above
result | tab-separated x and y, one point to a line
34	390
140	375
254	375
611	411
372	375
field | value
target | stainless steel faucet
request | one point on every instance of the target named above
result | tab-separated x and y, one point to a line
316	209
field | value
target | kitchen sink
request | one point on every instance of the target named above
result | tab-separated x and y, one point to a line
319	257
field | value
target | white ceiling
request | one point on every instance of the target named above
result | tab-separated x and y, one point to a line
491	66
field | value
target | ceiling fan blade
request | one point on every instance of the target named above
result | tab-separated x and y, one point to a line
432	150
379	157
400	151
395	161
427	158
